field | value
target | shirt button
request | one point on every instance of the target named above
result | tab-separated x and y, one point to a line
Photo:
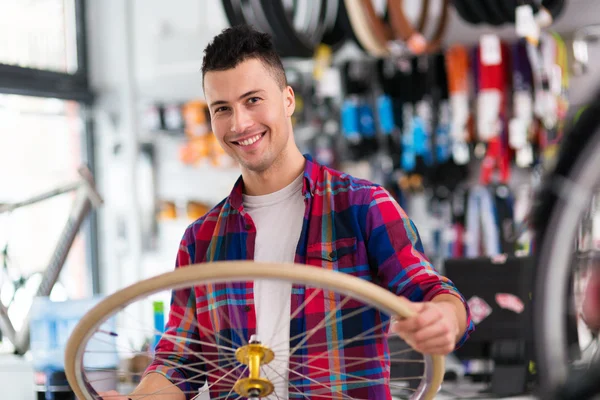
247	308
248	226
332	254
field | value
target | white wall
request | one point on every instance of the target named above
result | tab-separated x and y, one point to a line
169	40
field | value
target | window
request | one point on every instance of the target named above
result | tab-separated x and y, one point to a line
44	139
42	34
41	142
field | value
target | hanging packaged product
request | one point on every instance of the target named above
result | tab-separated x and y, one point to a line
559	85
446	174
504	207
356	120
417	154
520	126
366	120
173	118
196	118
481	227
393	80
351	125
197	128
493	61
457	66
550	72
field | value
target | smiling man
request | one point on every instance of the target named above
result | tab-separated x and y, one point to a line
287	208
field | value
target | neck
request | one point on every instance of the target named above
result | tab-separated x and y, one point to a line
284	170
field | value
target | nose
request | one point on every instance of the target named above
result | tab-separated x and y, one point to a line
241	120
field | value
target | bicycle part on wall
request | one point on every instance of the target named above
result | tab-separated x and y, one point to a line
562	204
581	40
501	12
86	198
226	367
297	28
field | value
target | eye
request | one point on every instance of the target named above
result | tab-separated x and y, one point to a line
221	109
254	100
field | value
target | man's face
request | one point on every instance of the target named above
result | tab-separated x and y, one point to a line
249	113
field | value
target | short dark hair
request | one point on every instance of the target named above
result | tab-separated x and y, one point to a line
240	43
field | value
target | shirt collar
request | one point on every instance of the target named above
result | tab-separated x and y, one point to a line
311	173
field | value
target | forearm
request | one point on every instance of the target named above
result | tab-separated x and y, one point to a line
154	382
458	308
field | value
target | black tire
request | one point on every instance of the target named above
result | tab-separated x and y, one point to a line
494	11
555	7
287	40
337	36
233	12
555	218
465	12
508	9
478	8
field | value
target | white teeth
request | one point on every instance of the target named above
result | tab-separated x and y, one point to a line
249	141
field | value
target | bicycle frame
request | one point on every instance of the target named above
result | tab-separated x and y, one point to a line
87	197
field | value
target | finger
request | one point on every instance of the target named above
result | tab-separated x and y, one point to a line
111	395
429	315
433	331
411	307
435	345
405	326
442	350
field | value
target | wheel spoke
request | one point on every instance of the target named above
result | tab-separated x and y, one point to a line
237	330
231	390
210	332
296	313
320	324
318	383
217	381
359	378
284	379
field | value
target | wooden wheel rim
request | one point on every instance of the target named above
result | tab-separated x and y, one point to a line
404	30
238	271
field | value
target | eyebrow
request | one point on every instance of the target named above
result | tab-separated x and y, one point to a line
250	93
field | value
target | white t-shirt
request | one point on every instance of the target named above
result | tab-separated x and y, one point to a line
278	220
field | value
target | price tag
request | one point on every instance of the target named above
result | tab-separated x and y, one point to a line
331	84
459	104
490	50
526	24
460	153
523	105
524	156
488	112
556	79
517	133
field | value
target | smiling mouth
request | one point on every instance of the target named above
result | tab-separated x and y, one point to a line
250	140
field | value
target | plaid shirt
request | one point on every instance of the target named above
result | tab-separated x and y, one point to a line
350	225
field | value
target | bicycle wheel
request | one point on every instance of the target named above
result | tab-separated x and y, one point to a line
562	258
227	372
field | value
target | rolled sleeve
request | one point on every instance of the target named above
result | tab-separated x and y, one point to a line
396	254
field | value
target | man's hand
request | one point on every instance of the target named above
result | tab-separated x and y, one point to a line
112	395
590	309
434	329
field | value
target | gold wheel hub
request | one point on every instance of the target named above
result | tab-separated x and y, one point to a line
254	354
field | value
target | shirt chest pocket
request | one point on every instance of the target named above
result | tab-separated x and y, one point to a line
334	255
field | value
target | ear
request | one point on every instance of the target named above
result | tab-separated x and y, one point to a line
289	99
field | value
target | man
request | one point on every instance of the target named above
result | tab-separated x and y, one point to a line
286	208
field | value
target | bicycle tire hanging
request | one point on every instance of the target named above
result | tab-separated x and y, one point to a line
498	13
297	27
